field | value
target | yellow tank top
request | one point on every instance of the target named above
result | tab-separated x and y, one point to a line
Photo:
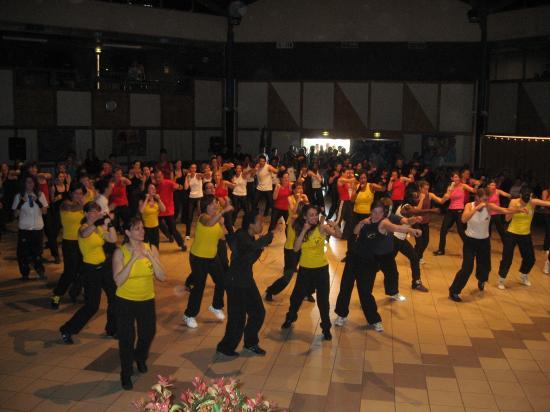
150	215
70	220
139	285
91	247
290	234
521	222
205	244
89	196
363	201
313	251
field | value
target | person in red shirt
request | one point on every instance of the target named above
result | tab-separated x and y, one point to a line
346	186
280	200
397	187
119	199
165	166
167	223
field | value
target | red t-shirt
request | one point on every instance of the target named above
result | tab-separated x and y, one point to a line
221	192
281	203
398	190
343	191
118	196
166	192
45	188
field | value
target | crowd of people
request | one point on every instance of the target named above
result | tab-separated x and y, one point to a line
377	209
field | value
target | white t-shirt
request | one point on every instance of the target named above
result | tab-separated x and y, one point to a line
291	174
249	176
399	235
240	186
265	182
30	218
103	203
478	225
195	187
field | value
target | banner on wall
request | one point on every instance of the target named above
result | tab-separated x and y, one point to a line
129	142
440	150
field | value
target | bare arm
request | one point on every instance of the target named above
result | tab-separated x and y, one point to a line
539	202
208	220
387	226
142	205
438	199
469	211
158	269
120	270
276	191
331	229
504	194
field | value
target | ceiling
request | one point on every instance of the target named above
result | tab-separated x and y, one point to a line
214	7
495	6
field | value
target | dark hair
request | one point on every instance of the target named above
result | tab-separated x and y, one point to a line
91	205
281	173
301	220
76	186
249	219
423	183
36	188
205	184
384	203
262	157
482	192
206	201
102	185
133	222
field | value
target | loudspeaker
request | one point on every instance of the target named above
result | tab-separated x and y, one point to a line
17	147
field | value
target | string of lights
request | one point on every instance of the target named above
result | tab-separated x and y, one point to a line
519	138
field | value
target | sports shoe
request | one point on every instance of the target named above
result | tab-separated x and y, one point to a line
481	286
439	253
217	312
187	237
66	337
256	350
500	284
54	301
224	352
419	286
183	248
378	327
398	297
454	297
268	296
422	261
340	321
190	322
524	279
546	268
141	366
327	335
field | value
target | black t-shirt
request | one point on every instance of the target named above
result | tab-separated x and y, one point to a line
371	242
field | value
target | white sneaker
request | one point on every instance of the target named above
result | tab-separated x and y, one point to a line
187	237
378	327
190	322
524	279
500	284
217	312
546	268
398	297
422	261
340	321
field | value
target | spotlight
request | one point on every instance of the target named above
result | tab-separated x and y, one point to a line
377	134
325	133
98	49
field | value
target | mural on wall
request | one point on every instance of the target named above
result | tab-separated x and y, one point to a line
438	150
129	142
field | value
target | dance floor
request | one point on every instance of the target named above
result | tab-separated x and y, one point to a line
491	352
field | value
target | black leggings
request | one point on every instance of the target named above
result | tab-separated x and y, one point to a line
345	213
451	217
72	259
496	220
405	247
276	214
386	263
308	279
239	203
130	313
167	225
200	267
525	244
122	218
423	240
291	265
318	199
52	227
267	195
94	278
547	233
192	204
473	249
245	315
29	251
152	236
357	270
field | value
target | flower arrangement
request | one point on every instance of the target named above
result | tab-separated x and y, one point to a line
221	395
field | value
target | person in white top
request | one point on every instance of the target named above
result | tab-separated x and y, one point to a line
193	183
264	189
29	205
239	193
250	177
477	242
316	187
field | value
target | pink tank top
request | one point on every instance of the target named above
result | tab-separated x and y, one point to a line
494	199
457	199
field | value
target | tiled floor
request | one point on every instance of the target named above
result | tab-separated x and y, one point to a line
491	352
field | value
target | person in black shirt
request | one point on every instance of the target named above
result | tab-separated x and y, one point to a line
245	310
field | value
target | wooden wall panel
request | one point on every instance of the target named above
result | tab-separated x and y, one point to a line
35	108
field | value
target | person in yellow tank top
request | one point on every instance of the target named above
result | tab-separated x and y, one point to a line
96	274
519	233
150	207
295	203
363	197
71	213
310	240
135	266
203	260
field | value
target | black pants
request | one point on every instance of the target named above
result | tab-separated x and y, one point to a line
240	203
386	263
422	242
451	217
308	279
473	249
200	267
152	236
345	213
122	218
245	315
72	259
94	278
333	194
291	265
276	214
250	193
405	247
364	273
181	197
525	244
52	227
350	236
547	233
496	220
318	199
130	313
29	251
167	225
267	195
192	204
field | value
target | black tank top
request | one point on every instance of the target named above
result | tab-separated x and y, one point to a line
371	242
